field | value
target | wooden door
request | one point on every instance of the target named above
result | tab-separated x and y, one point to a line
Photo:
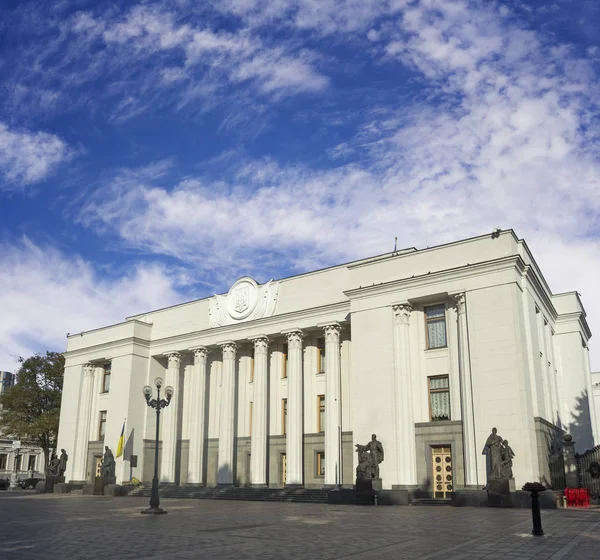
442	479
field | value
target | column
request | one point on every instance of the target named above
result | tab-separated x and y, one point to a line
405	422
258	446
295	431
227	417
84	415
466	392
333	405
168	420
197	403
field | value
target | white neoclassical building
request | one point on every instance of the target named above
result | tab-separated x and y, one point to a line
275	383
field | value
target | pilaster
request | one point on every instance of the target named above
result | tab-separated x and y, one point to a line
466	392
83	422
405	422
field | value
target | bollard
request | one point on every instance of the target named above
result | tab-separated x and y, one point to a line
535	488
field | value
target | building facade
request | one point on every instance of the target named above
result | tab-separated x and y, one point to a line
276	383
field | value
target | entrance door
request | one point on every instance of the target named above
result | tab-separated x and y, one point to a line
441	459
283	469
98	464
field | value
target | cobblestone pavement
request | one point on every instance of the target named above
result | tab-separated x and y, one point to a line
71	527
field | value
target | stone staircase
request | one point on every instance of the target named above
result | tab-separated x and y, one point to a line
430	502
237	493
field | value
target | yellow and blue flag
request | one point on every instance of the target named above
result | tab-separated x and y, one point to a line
121	441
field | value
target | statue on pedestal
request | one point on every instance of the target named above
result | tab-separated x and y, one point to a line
369	457
493	450
62	462
52	468
107	469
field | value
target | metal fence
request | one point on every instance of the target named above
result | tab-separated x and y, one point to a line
588	472
557	471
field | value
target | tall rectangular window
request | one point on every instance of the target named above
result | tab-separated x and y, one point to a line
435	320
320	463
320	355
439	397
31	463
283	416
321	417
284	361
106	378
3	460
102	425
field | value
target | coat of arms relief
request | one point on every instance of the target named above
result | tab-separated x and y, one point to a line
245	301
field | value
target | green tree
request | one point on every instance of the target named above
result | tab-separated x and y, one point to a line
31	408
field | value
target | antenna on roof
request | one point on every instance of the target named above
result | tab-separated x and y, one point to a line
395	244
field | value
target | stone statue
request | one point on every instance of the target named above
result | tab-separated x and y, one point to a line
507	457
62	462
52	468
369	457
493	449
107	468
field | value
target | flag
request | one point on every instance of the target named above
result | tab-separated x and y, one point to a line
121	441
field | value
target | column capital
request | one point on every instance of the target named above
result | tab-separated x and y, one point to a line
88	368
261	343
401	313
174	358
229	348
200	353
294	337
459	302
332	331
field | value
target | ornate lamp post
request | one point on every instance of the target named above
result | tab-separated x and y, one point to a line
157	404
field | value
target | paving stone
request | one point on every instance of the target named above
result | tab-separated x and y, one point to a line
32	526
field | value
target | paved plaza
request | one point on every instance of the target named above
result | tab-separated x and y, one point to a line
72	526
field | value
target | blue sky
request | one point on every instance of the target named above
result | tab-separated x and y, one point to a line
153	152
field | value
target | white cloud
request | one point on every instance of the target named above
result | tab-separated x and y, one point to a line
507	144
46	294
29	157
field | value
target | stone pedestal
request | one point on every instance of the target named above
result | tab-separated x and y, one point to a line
498	492
113	490
50	481
100	482
40	487
62	488
364	492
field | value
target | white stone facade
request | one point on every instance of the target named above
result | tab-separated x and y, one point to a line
470	329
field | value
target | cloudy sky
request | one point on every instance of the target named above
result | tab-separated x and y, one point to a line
152	153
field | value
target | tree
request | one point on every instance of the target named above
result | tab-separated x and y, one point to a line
30	409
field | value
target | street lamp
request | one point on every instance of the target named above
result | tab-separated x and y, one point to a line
158	404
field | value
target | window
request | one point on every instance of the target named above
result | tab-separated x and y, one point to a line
251	375
31	463
3	459
320	463
102	425
106	379
435	320
320	355
284	416
439	398
284	362
321	416
250	429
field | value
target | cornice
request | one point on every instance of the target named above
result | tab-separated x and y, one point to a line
466	271
113	344
530	274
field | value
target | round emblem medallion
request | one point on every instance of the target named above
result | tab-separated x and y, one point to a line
242	298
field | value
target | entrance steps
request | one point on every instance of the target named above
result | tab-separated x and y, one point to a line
238	493
431	502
